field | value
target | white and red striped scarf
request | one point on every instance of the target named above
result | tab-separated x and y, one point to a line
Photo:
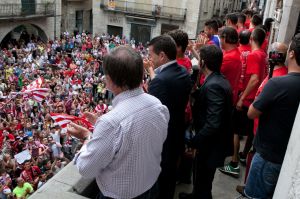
34	85
37	94
63	120
101	108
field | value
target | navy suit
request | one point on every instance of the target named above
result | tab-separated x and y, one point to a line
172	86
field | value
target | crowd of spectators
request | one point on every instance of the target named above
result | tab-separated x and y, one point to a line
71	67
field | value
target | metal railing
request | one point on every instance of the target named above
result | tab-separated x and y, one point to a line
20	10
158	11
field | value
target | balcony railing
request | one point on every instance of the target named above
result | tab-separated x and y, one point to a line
134	8
29	9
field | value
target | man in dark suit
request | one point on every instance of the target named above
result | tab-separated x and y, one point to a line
212	121
171	84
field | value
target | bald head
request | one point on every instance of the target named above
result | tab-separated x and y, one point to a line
279	47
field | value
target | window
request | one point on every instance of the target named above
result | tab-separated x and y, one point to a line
79	20
168	27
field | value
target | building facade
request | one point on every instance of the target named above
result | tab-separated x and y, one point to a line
77	15
38	17
286	14
142	20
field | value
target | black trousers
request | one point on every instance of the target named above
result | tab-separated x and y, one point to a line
203	179
167	177
152	193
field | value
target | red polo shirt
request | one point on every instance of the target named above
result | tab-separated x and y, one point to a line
244	50
256	64
186	63
231	69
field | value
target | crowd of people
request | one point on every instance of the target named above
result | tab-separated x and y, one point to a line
71	68
143	144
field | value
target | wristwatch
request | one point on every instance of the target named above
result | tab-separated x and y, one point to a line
88	137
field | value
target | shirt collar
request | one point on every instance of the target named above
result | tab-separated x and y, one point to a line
159	69
126	94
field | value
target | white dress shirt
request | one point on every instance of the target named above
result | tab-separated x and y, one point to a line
124	154
160	68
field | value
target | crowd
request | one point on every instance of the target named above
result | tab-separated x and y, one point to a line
71	68
141	147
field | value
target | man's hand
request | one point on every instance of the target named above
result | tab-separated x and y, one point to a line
202	40
147	63
190	46
239	105
27	190
92	117
77	131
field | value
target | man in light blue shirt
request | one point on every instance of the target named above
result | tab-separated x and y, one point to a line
124	153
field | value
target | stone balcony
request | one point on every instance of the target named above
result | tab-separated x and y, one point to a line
67	184
144	10
18	11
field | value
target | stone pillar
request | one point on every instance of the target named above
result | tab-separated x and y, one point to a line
288	23
288	185
267	9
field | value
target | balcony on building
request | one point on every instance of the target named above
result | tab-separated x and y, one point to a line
26	10
144	10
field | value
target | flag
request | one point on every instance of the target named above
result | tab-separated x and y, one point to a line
37	94
63	120
35	84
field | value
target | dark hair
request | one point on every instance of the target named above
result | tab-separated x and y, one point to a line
295	46
125	67
166	44
230	35
219	22
180	37
268	24
212	23
256	20
232	17
248	12
242	18
212	57
258	36
244	37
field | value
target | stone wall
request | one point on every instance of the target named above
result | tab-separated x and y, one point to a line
69	14
101	19
287	28
44	23
288	185
67	184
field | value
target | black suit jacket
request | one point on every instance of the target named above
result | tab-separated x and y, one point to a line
172	86
212	112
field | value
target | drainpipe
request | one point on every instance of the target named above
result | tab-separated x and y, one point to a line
199	16
54	19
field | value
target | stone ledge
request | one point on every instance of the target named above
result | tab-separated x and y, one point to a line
67	184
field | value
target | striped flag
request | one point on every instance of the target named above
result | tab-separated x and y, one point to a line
37	94
33	85
63	120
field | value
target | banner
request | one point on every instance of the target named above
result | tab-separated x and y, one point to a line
111	4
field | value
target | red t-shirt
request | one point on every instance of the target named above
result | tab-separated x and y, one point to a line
240	29
276	73
231	69
247	23
256	64
244	50
185	62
